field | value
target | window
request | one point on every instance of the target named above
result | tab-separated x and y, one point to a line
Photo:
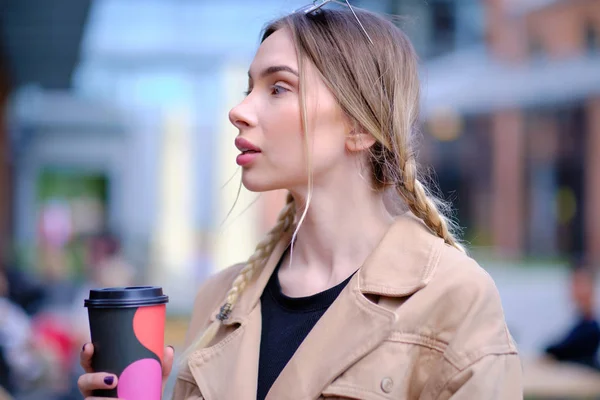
443	26
436	27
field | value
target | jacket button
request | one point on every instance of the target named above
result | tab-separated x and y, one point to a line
387	384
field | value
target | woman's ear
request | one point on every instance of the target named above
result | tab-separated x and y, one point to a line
359	141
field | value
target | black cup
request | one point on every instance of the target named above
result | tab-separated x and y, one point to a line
127	326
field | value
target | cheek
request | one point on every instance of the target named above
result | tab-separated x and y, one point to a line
282	129
284	140
329	134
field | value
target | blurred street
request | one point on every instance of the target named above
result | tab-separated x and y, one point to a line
117	164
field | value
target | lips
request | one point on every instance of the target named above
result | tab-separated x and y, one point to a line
245	146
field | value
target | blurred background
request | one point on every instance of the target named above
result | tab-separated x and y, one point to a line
117	164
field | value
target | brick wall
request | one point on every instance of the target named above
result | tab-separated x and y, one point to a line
561	29
558	30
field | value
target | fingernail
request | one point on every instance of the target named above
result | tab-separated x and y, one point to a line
83	348
109	380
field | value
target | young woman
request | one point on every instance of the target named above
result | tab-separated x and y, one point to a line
345	297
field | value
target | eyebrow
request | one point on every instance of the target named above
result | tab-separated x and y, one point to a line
274	69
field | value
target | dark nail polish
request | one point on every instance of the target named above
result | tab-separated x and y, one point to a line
109	380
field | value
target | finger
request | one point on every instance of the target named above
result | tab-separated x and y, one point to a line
89	382
167	365
85	357
168	357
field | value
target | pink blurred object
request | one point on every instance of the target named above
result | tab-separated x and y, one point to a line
56	224
52	334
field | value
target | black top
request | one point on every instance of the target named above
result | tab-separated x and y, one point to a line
286	321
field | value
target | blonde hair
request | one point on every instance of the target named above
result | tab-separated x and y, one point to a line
285	221
377	86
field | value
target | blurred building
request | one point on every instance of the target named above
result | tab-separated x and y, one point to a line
36	47
128	101
117	113
511	97
512	120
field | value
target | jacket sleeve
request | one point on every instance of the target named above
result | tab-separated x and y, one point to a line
493	377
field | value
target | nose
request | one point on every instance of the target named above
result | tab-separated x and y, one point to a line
242	116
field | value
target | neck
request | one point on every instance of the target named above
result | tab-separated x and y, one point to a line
340	230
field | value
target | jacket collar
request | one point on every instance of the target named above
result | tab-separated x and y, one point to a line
403	262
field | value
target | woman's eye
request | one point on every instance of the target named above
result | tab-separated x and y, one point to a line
277	90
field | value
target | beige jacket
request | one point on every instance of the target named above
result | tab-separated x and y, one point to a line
420	320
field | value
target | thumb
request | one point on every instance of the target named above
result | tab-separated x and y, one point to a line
167	364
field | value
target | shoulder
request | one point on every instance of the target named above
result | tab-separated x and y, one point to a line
464	279
412	256
448	296
219	283
210	296
469	313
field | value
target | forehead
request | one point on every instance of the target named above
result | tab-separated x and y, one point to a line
277	49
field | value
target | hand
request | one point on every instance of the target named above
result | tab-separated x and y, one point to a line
99	380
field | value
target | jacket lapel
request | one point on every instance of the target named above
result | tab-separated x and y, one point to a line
351	328
402	263
228	369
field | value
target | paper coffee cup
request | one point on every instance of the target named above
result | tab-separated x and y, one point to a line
127	326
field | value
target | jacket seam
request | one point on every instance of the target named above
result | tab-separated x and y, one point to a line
458	371
433	261
457	361
419	340
356	390
396	291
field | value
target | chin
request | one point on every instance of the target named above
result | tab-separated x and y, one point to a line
257	184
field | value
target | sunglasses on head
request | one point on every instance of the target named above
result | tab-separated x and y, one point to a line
318	4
